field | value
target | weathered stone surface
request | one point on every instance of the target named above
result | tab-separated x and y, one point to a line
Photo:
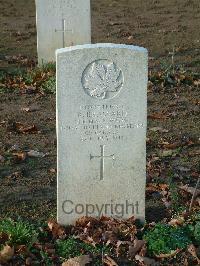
61	23
101	128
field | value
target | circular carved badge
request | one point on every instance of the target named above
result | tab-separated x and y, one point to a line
102	79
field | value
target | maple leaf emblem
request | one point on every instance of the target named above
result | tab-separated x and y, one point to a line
103	78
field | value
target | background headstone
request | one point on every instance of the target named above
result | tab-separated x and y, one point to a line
101	127
61	23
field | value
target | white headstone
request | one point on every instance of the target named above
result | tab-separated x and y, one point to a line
101	129
61	23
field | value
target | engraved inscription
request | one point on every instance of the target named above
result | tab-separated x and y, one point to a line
102	157
102	79
103	123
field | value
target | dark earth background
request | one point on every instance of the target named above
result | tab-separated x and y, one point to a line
162	26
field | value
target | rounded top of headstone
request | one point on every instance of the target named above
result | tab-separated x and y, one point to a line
102	45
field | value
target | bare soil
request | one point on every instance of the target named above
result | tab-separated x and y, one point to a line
28	188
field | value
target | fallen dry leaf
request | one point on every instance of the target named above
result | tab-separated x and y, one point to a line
172	254
194	153
15	175
168	153
109	261
113	23
190	190
158	116
26	109
20	156
21	128
148	140
167	203
2	123
121	245
6	254
30	108
78	261
152	187
159	129
178	221
171	146
86	221
29	89
15	147
35	154
52	170
193	252
198	200
2	159
22	250
145	260
28	261
106	230
130	38
143	251
197	82
137	246
57	230
183	169
3	238
50	249
195	174
27	129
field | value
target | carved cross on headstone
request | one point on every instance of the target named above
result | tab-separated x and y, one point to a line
63	31
102	157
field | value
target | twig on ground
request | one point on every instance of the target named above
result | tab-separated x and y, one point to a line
194	195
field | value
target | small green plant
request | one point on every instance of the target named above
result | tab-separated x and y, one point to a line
33	162
49	86
194	229
43	233
8	159
48	67
3	90
71	248
177	206
19	232
197	232
39	78
165	239
28	78
2	75
45	258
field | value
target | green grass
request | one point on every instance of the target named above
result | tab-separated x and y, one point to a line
71	248
40	78
43	78
49	86
177	206
33	162
172	75
161	239
19	232
194	229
